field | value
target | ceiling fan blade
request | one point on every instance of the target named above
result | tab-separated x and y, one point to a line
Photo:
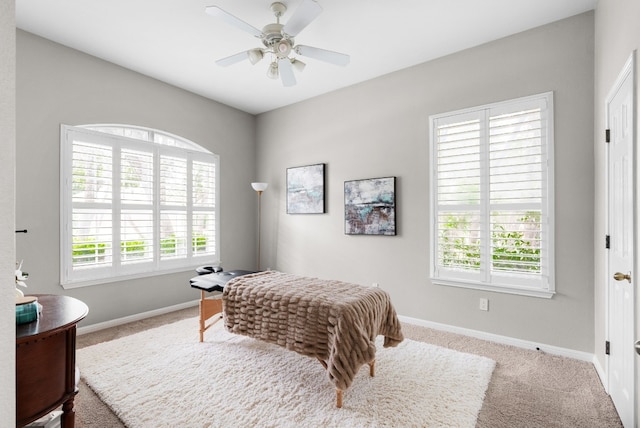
232	20
286	72
304	14
224	62
323	55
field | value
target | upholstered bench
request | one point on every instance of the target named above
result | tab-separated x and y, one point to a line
333	321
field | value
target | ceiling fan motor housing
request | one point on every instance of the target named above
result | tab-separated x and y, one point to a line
274	39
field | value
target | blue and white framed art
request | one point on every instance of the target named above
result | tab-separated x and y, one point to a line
305	189
370	206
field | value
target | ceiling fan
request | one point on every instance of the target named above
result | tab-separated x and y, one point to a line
278	41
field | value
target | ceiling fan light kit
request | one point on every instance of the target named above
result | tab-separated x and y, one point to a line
279	42
255	55
272	71
298	65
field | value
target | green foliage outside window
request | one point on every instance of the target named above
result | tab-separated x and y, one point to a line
511	250
457	248
199	243
168	245
131	249
131	177
87	250
79	179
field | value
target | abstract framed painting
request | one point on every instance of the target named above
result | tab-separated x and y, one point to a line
370	206
305	189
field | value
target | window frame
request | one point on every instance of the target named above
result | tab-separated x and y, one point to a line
485	279
182	148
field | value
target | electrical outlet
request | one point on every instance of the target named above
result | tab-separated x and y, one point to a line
484	304
375	284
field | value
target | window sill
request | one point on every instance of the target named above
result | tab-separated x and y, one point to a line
521	291
100	281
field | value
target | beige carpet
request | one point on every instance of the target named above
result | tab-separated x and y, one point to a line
527	389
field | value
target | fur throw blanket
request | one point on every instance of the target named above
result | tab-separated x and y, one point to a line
333	321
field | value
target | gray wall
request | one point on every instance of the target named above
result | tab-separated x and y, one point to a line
375	129
617	36
7	210
57	85
380	128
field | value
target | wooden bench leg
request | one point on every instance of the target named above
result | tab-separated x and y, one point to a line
208	308
201	306
372	373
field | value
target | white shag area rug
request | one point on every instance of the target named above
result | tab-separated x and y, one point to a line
164	377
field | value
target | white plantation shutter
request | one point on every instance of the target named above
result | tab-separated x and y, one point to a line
173	181
136	177
458	193
135	202
516	191
173	234
204	175
92	239
492	197
92	196
173	207
204	208
136	236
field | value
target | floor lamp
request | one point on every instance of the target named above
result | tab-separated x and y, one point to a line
259	187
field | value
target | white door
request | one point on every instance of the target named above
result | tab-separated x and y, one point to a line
620	119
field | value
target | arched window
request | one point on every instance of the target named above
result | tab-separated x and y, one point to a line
135	202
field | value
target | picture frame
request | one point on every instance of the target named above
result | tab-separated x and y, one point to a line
306	189
370	206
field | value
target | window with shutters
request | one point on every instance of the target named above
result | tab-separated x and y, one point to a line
135	202
492	197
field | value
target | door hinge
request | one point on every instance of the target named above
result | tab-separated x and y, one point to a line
607	348
607	242
607	136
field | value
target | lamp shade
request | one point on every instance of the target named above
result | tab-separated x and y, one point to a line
259	187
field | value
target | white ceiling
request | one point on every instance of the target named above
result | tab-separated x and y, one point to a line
176	42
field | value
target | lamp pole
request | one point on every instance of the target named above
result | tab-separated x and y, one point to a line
259	188
259	223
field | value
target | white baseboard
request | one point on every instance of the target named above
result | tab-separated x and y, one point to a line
602	374
136	317
505	340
